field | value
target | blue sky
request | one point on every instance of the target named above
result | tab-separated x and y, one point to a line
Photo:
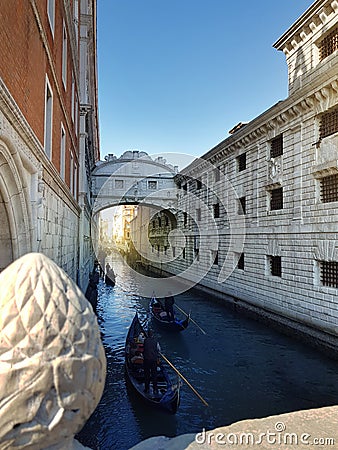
177	75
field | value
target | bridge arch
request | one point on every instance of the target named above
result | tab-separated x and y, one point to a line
134	178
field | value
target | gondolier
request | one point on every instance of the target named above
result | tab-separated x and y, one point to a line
160	317
150	358
169	306
168	396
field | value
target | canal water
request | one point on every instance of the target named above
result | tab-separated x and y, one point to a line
241	367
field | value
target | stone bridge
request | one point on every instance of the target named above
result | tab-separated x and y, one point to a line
134	178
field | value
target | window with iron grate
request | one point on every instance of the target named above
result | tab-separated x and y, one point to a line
276	148
329	189
241	162
328	124
276	266
217	174
329	273
198	214
216	210
242	206
215	257
240	264
276	199
328	45
152	184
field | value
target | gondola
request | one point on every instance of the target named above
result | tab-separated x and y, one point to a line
159	315
168	396
110	279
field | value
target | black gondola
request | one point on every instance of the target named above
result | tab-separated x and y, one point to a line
168	396
110	278
159	315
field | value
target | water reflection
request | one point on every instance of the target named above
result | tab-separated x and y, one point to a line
242	368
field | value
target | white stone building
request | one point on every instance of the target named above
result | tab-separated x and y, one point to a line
260	209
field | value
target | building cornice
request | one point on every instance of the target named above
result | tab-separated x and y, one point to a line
314	18
269	123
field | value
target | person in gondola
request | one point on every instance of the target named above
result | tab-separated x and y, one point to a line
169	302
150	357
108	267
91	292
110	277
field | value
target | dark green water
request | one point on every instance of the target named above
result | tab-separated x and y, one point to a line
241	367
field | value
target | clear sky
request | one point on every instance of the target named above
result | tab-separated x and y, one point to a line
177	75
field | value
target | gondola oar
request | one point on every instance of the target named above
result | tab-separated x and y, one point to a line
184	379
192	320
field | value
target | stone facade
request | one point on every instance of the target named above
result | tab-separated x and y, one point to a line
259	210
43	150
133	178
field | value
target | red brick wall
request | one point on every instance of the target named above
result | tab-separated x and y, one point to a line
24	66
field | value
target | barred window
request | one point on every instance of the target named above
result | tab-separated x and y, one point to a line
242	206
241	162
198	214
275	265
240	264
328	124
216	210
329	273
119	184
276	148
198	184
276	199
329	189
328	45
152	184
216	174
185	187
215	257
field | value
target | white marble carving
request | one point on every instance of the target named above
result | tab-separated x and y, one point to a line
52	362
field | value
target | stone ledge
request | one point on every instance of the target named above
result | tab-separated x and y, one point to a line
301	430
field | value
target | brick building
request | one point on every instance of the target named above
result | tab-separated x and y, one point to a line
48	130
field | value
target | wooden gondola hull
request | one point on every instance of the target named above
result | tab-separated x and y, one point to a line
168	396
174	325
169	402
109	281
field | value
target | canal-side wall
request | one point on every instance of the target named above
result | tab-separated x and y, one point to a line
281	260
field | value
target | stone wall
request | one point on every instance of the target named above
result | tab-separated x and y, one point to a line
300	234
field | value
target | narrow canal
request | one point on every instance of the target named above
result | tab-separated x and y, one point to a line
243	369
